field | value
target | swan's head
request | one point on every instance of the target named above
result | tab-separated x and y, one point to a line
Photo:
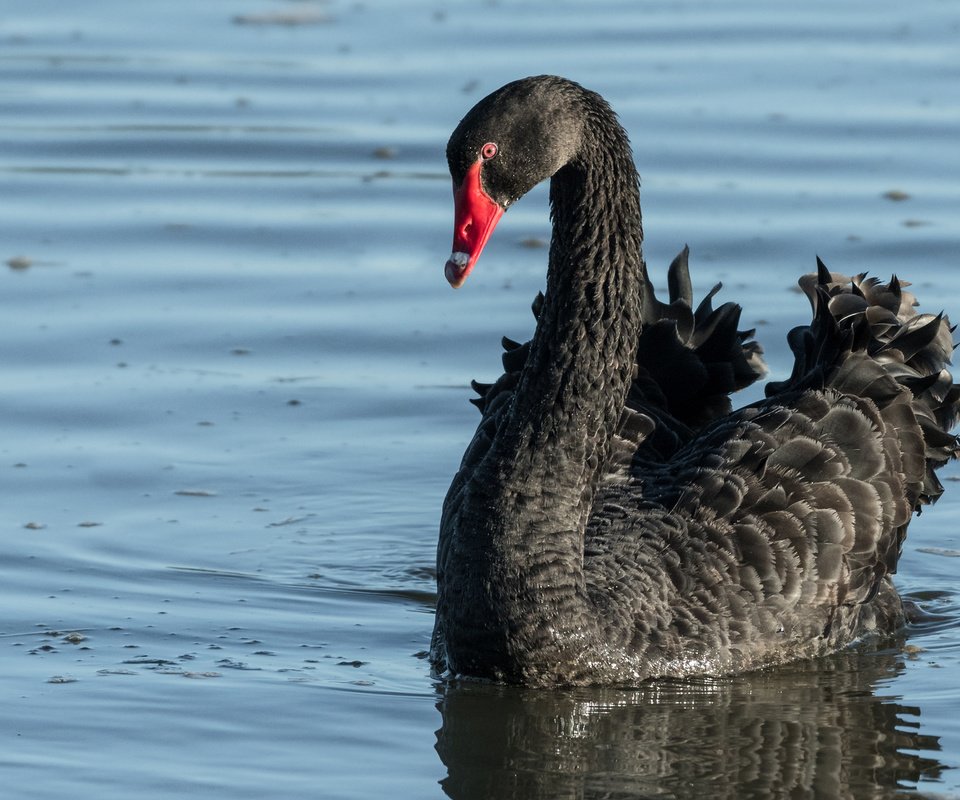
508	143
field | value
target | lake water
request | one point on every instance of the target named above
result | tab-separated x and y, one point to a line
235	383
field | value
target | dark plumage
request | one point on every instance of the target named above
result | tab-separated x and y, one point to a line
613	519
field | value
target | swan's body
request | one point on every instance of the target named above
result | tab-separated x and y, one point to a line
612	520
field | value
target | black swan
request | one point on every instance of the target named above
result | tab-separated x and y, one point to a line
613	520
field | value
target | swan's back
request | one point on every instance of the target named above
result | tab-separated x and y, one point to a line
720	541
769	534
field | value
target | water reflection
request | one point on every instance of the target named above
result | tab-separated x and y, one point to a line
820	729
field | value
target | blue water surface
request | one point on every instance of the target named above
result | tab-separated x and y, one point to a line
235	383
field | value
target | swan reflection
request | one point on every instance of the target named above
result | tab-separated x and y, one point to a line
829	728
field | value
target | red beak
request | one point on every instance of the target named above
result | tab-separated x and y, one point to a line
475	216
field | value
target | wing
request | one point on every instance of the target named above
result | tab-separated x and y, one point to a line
769	534
689	361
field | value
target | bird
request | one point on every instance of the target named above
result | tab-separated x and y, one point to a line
614	520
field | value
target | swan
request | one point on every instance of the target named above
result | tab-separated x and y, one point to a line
613	519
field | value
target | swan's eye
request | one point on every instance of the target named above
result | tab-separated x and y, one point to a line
488	151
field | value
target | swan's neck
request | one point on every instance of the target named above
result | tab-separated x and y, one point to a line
573	388
521	518
582	358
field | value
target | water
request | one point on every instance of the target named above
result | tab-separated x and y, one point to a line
235	384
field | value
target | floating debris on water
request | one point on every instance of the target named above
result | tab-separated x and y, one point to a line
19	262
291	18
896	195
